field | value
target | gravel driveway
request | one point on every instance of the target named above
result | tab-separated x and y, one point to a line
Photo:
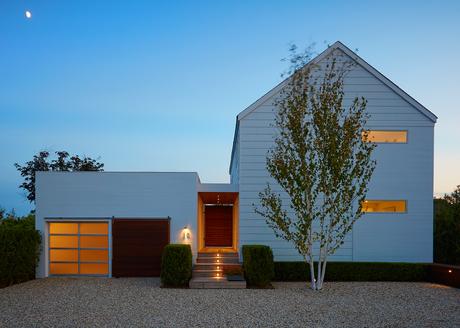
93	302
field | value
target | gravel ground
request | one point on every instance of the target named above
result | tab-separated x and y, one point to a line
93	302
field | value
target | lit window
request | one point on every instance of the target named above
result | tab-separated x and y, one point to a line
384	206
386	136
79	248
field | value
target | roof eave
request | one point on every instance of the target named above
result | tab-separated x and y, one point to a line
237	125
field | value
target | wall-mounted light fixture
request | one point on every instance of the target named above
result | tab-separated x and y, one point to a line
186	234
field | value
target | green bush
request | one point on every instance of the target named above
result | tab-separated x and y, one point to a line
19	250
353	271
258	265
176	265
447	229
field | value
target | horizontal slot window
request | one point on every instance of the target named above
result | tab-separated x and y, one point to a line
384	206
63	241
94	228
87	255
382	136
64	268
94	242
63	255
63	228
94	268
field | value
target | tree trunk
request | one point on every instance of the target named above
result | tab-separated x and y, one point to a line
321	279
312	274
318	281
322	263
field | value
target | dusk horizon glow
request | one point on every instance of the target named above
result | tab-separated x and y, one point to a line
156	86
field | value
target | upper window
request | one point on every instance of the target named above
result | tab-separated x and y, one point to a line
386	136
384	206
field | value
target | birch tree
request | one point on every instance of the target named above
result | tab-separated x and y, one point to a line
321	159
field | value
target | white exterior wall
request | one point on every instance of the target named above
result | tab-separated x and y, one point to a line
103	195
404	171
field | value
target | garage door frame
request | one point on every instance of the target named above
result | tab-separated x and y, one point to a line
77	219
127	219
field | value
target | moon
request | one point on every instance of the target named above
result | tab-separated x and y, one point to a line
28	14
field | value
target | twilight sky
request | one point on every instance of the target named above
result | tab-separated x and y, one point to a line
156	85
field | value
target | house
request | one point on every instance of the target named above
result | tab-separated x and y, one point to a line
116	223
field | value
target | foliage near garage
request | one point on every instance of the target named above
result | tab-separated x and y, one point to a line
19	249
176	265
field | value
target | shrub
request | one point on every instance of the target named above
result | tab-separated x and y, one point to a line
258	265
447	229
19	250
176	265
354	271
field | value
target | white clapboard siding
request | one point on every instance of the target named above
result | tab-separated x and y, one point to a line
404	171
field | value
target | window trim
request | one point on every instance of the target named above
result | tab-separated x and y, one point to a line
406	203
389	130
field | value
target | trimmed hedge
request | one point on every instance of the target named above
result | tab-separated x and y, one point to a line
258	265
176	265
354	271
19	251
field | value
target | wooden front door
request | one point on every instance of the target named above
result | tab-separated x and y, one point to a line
218	226
137	246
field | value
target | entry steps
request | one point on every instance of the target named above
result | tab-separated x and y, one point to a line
208	271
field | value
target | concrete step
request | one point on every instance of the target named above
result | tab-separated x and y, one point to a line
230	260
207	273
215	283
205	266
214	265
226	254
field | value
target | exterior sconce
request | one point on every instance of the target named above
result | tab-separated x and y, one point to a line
186	234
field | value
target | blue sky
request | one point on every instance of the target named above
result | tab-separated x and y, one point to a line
156	85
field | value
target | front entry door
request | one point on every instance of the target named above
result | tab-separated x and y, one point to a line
218	226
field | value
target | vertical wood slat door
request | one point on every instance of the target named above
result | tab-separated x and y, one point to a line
137	246
218	226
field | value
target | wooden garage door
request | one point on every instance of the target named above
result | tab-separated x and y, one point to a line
218	226
137	246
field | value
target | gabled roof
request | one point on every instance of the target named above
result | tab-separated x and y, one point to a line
337	45
361	62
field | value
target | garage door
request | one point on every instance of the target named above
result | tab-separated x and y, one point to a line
137	246
78	248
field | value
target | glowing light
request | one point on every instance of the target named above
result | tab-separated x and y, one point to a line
450	271
28	14
186	235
